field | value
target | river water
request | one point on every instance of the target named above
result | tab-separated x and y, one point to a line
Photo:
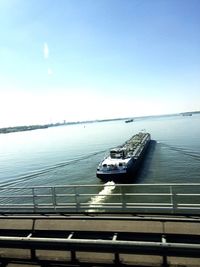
70	154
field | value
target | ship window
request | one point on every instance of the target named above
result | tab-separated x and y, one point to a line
104	165
120	164
116	155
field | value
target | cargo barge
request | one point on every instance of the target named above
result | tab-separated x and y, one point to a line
130	120
123	161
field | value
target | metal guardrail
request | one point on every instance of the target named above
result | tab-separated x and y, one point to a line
117	247
46	243
109	197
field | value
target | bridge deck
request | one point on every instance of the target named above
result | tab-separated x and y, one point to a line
75	240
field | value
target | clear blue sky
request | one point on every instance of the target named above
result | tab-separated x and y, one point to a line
94	59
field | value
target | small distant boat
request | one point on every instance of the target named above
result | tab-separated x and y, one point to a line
187	114
123	161
129	120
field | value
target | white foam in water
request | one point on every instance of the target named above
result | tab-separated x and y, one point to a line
103	194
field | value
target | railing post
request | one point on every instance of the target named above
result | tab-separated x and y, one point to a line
164	263
34	202
173	199
123	198
53	192
76	199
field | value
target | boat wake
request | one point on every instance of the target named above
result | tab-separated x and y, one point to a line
96	201
193	154
34	174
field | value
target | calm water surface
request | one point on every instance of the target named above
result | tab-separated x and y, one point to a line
70	154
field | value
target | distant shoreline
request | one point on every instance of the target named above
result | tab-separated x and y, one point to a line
14	129
21	128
